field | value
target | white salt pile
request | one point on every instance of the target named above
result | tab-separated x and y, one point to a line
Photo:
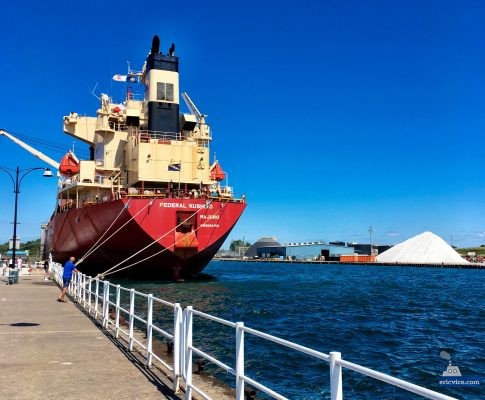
426	248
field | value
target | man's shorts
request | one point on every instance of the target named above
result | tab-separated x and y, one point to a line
66	282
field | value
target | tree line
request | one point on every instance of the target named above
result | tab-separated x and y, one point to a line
33	246
236	244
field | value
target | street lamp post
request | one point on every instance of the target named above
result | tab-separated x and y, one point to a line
16	189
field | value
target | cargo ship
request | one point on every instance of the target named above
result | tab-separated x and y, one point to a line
149	203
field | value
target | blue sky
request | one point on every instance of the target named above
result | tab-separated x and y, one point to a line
331	116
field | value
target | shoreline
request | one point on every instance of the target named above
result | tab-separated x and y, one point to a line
373	264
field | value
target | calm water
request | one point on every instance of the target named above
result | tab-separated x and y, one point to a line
396	320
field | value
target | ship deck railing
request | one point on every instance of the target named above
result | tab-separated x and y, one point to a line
149	136
161	137
149	194
184	196
140	318
145	135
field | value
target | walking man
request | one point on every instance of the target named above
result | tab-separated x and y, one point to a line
69	268
46	269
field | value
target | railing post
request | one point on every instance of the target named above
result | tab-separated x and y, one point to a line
177	332
132	319
73	286
239	360
96	299
117	322
79	287
84	289
182	344
188	319
149	330
105	304
90	295
335	376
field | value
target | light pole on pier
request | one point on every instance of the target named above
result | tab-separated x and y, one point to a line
19	175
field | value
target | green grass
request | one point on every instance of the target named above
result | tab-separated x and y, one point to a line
479	251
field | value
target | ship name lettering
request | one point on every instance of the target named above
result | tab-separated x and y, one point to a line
209	225
198	206
173	205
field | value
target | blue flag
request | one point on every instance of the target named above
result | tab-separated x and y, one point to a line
174	167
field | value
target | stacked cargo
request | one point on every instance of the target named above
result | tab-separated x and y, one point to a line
357	258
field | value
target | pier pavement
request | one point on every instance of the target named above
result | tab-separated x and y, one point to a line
52	350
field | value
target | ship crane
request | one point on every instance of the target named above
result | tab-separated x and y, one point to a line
203	133
31	150
216	172
193	109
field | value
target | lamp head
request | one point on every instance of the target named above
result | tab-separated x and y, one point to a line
47	173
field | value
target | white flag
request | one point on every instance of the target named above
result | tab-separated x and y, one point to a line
119	78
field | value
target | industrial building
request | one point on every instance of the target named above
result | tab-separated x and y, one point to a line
270	248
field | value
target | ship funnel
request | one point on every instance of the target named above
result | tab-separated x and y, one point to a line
162	89
155	45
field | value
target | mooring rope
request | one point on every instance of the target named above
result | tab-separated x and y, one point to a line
115	232
93	247
112	269
157	253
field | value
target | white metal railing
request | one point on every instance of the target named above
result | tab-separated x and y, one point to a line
102	300
98	303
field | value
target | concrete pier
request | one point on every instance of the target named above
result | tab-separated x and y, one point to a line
52	350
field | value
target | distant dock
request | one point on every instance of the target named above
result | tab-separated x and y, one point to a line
371	264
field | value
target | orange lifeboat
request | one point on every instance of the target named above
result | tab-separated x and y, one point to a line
217	174
69	165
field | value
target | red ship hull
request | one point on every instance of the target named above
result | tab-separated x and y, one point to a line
143	238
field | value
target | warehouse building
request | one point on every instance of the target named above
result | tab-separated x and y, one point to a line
270	248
